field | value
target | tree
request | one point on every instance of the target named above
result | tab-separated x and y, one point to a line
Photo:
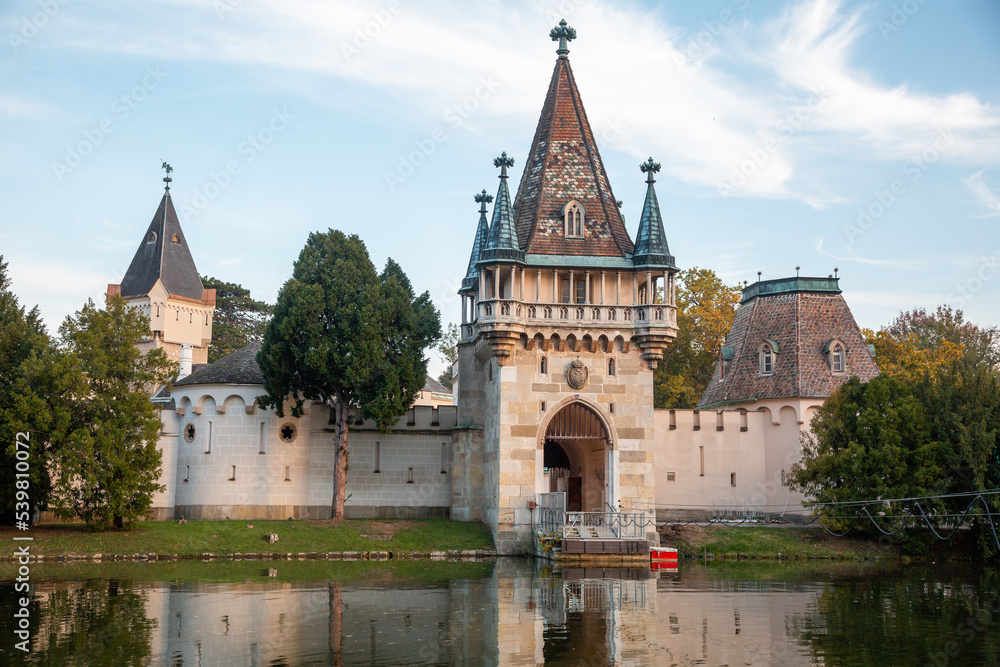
898	437
346	336
106	460
448	351
238	321
34	378
705	310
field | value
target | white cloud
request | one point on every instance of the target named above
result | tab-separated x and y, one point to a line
853	256
983	194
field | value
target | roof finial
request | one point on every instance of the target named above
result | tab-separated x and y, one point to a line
797	271
564	34
503	162
167	179
649	167
483	199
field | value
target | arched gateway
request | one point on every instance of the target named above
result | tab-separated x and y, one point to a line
578	459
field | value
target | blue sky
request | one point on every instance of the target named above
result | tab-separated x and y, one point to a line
821	134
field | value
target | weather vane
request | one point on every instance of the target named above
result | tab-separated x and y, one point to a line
168	169
563	34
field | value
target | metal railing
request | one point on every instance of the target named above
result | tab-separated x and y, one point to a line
607	525
739	509
552	512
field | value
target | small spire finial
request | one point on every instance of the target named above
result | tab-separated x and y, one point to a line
796	272
503	162
167	179
649	167
563	34
835	271
758	276
483	199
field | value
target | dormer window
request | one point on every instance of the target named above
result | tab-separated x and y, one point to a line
574	218
836	353
766	353
151	238
176	238
725	359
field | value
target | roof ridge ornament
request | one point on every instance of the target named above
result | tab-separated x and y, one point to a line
483	198
167	179
563	34
649	167
503	162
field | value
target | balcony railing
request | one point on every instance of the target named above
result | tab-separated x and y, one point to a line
553	519
512	311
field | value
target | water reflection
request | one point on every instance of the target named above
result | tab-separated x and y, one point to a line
511	612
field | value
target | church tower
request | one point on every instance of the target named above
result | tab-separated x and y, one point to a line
564	319
163	282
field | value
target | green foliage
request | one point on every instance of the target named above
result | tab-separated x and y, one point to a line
238	320
894	437
705	310
346	336
107	461
448	351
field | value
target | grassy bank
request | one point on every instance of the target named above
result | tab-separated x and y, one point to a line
772	542
231	537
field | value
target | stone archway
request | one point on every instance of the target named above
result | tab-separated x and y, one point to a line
577	458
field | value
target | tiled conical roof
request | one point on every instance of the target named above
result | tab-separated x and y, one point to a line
502	244
482	237
651	249
564	164
163	254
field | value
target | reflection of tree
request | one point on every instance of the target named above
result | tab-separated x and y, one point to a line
912	621
336	624
101	623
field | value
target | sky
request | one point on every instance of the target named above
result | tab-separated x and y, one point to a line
857	136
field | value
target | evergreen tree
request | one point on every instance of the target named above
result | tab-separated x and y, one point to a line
346	336
107	462
238	320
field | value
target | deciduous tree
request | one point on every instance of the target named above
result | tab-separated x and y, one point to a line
448	351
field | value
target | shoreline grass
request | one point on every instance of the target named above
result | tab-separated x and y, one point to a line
224	538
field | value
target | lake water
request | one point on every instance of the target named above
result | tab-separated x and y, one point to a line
509	612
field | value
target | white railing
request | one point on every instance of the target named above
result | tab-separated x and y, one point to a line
607	525
552	513
655	314
739	509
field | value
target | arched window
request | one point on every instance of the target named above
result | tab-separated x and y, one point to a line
611	367
543	366
574	217
837	358
766	359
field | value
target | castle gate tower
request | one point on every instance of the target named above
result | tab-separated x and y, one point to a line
564	318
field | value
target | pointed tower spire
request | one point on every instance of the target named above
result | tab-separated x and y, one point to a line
503	244
651	249
564	168
163	255
482	237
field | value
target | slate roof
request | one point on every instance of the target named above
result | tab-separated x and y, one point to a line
482	236
160	257
651	248
801	316
239	367
503	243
564	164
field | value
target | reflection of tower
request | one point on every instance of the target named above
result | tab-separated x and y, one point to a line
564	318
163	282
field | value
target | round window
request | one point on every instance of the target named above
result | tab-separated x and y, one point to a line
189	432
287	432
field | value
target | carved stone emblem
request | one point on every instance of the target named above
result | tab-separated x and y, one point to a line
576	375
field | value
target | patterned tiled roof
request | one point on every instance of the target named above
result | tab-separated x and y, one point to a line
564	164
801	319
162	257
651	247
